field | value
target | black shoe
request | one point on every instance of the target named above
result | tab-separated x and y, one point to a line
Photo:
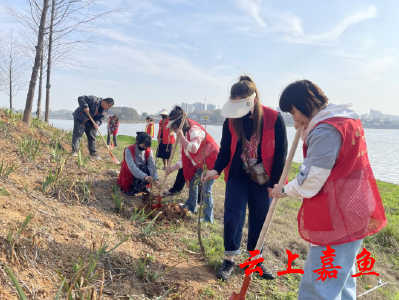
266	273
225	270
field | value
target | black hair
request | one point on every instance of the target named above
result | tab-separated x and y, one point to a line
116	118
109	101
144	138
304	95
148	118
177	114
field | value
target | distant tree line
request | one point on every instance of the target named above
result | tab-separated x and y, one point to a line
125	114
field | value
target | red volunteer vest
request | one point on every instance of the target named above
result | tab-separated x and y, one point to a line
268	140
349	206
166	138
211	152
126	178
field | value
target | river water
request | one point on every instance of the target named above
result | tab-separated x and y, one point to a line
382	144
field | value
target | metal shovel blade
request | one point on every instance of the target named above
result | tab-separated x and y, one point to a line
243	291
114	158
158	205
235	296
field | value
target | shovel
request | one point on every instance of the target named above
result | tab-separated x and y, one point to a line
269	217
163	184
112	156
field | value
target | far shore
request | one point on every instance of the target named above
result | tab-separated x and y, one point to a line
221	124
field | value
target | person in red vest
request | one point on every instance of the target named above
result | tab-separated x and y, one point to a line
149	128
341	202
195	144
112	128
254	136
165	138
138	169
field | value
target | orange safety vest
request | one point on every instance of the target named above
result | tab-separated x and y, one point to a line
149	128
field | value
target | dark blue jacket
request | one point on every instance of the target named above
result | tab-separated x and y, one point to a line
96	111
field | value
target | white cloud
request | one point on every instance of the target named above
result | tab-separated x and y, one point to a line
158	63
267	20
372	71
253	7
286	23
119	36
332	35
131	61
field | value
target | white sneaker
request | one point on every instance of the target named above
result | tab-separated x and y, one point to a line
74	154
97	157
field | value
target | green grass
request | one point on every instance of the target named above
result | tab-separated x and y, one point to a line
4	192
213	244
389	235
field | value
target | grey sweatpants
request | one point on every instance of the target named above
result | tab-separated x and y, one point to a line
91	134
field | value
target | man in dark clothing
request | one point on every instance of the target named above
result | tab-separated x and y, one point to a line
82	123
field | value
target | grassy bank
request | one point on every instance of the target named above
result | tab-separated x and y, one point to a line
283	235
76	216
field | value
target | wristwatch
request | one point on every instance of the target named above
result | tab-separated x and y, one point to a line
283	192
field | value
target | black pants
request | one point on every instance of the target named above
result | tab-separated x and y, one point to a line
179	182
241	191
79	130
114	138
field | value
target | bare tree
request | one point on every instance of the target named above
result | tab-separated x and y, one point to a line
35	70
49	57
13	68
70	29
72	22
39	98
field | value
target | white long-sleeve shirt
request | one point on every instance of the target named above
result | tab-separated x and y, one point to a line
197	135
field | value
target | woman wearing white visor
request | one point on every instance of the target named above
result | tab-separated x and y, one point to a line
250	167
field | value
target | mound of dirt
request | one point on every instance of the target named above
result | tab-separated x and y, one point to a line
171	212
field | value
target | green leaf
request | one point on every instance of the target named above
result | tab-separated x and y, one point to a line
16	284
57	297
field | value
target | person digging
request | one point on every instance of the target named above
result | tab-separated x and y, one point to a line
96	107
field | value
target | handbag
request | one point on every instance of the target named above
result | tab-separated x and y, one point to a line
257	172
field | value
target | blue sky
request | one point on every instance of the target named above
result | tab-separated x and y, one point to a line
170	51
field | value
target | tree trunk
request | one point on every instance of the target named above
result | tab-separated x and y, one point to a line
39	99
50	44
10	74
39	49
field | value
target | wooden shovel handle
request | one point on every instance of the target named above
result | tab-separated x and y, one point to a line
98	130
272	207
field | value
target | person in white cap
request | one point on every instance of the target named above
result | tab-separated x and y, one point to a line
250	167
165	138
